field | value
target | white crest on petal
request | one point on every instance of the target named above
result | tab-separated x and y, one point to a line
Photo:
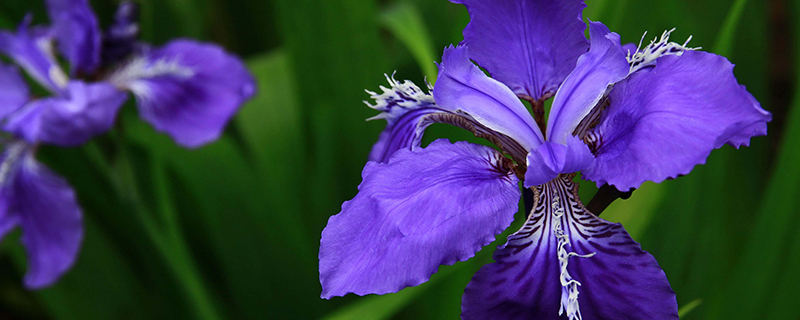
13	153
398	99
647	56
569	286
140	68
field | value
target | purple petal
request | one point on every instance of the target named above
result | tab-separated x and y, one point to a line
408	111
552	158
602	66
13	90
529	45
84	111
424	208
662	121
462	86
187	89
404	106
48	213
32	50
75	27
567	262
630	48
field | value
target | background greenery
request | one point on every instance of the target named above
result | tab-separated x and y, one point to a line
231	230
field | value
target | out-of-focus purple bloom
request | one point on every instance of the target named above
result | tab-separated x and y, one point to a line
43	205
621	114
187	89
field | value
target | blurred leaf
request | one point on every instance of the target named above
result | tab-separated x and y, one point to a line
636	212
724	42
380	307
335	53
770	256
271	126
163	20
683	311
405	22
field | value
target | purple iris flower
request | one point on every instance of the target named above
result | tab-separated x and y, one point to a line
620	114
186	89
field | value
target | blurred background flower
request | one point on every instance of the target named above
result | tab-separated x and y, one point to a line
244	213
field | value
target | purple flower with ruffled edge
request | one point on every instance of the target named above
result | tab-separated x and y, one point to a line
187	89
620	114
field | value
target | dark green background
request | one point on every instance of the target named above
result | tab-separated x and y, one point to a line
231	230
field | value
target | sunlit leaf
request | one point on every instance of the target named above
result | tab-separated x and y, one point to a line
405	22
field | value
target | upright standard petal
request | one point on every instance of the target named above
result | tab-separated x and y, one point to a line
48	213
32	50
463	87
662	121
597	70
13	90
567	262
77	31
83	111
530	45
424	208
187	89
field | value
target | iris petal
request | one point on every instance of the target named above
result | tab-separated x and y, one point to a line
14	91
187	89
550	159
664	120
462	86
32	50
83	111
529	45
408	111
44	206
424	208
78	33
601	67
567	262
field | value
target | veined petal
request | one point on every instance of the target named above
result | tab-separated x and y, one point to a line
14	91
187	89
424	208
463	87
408	111
663	121
44	206
403	106
82	112
33	51
597	70
76	28
566	262
529	45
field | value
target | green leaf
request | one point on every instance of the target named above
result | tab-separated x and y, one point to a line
683	311
724	43
335	53
405	23
636	213
763	267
